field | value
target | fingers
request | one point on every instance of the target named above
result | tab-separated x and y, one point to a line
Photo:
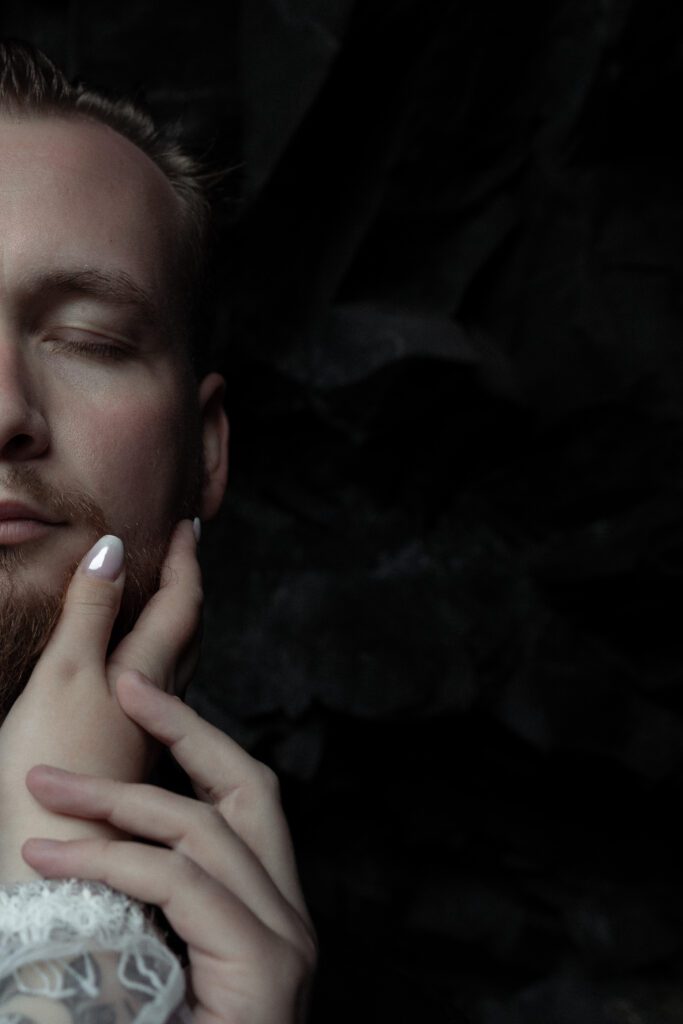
164	642
194	829
195	904
244	791
237	965
92	602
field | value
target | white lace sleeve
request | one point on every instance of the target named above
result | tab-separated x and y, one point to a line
74	951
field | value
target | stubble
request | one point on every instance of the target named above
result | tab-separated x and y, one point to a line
29	614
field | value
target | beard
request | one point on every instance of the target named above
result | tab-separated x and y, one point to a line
29	614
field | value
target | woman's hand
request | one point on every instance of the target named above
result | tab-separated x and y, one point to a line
69	714
225	877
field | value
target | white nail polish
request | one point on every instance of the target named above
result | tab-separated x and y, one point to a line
197	527
105	559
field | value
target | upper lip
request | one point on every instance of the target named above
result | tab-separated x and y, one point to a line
19	510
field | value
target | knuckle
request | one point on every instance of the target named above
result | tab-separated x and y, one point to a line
305	942
94	595
260	787
310	949
204	819
184	868
267	779
116	803
296	962
210	816
101	847
169	576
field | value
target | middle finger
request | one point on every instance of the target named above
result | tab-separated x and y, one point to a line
190	827
165	635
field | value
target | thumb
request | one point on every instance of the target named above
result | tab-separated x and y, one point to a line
91	605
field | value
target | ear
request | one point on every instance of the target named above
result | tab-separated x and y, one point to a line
215	436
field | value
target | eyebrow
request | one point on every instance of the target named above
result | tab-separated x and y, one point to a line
112	287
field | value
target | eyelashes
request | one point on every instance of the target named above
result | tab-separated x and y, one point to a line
88	343
100	349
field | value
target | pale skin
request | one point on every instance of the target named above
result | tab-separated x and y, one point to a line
108	426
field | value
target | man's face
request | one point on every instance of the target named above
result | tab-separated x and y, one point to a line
100	427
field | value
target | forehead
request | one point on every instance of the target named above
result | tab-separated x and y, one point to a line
75	193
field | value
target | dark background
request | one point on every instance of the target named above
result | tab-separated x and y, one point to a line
443	597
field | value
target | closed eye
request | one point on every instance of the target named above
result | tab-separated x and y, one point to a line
99	349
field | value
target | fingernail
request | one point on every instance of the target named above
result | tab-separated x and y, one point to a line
197	527
105	559
54	772
43	845
58	773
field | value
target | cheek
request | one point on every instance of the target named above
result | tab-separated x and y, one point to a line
130	457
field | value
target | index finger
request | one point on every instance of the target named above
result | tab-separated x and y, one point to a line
242	789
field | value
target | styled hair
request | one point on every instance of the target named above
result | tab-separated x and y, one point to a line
31	85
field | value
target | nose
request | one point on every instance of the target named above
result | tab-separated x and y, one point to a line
24	431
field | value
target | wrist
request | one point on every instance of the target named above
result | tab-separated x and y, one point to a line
110	746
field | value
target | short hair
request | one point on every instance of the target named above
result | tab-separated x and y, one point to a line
32	85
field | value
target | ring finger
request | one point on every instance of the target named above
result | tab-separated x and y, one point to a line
190	827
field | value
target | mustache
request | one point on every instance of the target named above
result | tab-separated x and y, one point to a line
23	482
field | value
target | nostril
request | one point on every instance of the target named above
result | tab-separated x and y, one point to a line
21	445
24	430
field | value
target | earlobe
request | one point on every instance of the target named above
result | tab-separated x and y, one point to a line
215	438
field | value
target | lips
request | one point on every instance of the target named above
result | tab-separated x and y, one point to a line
19	510
20	522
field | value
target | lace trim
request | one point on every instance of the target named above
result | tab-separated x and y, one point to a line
43	923
32	912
